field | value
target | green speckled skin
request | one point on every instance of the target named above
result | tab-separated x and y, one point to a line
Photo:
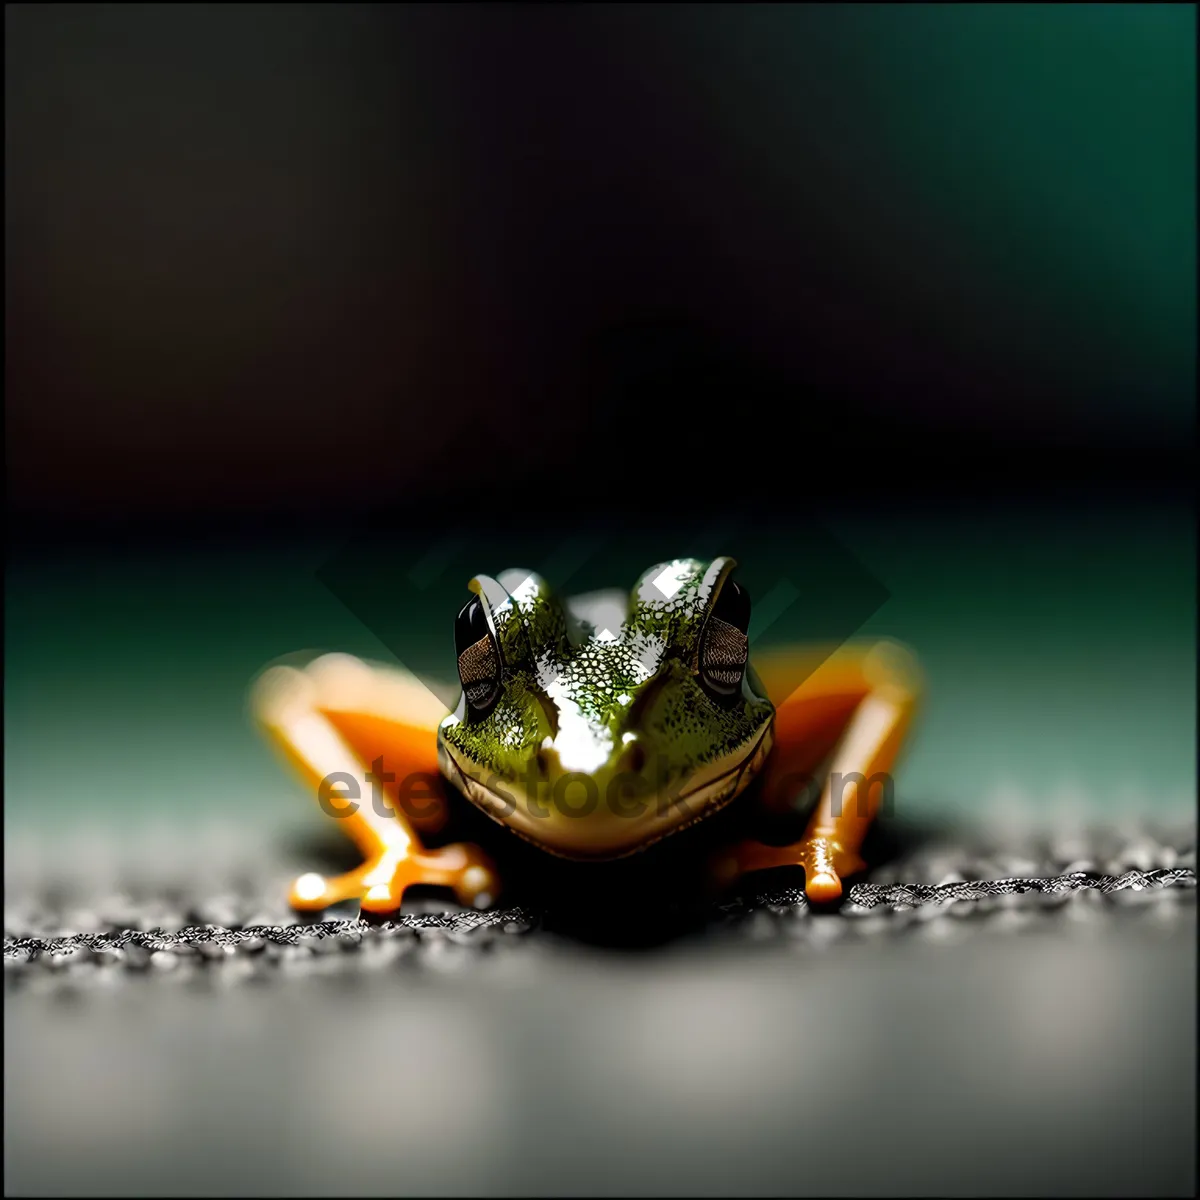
593	700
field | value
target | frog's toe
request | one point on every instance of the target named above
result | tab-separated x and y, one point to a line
822	886
382	899
379	885
825	862
314	893
461	867
478	886
466	869
822	860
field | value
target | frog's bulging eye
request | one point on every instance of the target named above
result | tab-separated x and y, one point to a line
478	661
725	648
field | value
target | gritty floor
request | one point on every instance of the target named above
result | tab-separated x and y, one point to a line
1023	1044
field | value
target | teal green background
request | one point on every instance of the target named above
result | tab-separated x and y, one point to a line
1059	649
333	257
1032	191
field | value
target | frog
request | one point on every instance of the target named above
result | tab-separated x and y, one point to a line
593	728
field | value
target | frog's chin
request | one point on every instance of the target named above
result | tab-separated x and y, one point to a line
581	818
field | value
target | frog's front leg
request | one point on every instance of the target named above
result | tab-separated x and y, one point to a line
341	720
859	702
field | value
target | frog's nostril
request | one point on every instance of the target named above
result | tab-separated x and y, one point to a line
543	762
634	758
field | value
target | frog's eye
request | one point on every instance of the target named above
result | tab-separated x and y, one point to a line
724	646
478	661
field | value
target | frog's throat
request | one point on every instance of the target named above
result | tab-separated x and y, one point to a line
600	833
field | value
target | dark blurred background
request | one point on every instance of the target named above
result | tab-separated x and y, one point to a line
282	277
919	279
279	260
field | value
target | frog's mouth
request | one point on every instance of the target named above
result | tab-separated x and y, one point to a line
589	828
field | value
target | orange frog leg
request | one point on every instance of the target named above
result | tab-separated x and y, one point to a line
342	719
858	703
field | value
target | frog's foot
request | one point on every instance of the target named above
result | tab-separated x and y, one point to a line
874	691
380	883
823	860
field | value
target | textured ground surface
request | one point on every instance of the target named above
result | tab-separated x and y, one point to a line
219	877
1028	1043
1024	1044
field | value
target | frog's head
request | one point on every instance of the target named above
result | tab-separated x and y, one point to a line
595	726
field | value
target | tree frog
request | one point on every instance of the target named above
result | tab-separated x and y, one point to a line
593	727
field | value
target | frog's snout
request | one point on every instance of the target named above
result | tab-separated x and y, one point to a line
624	758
